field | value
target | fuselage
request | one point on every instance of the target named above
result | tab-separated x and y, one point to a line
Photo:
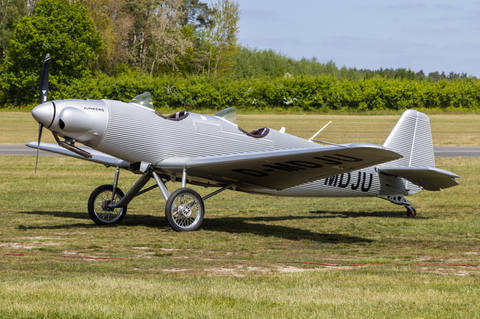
136	133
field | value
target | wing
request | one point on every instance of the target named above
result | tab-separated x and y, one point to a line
283	168
430	178
97	157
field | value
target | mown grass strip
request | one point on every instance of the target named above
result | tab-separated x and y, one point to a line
248	258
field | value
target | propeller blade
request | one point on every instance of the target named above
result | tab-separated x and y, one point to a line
43	98
40	127
44	80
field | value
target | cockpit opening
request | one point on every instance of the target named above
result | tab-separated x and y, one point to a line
230	115
258	133
175	116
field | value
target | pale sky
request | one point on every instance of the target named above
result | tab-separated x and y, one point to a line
426	35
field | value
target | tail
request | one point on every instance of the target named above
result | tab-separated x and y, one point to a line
412	138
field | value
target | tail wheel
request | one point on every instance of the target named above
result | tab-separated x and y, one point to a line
98	202
184	210
411	212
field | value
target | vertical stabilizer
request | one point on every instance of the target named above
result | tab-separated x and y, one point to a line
412	138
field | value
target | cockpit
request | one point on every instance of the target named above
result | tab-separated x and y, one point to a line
144	99
230	115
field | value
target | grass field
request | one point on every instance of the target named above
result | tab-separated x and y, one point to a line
254	256
447	129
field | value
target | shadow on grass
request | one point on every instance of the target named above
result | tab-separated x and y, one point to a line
75	215
239	225
390	214
233	225
129	220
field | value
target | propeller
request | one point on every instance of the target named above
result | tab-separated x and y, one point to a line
43	98
40	127
44	80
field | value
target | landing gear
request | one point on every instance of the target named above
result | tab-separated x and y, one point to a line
184	210
400	200
411	212
98	205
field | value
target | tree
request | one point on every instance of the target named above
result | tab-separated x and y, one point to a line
113	23
66	32
137	45
199	15
164	32
223	36
168	41
195	24
10	12
420	75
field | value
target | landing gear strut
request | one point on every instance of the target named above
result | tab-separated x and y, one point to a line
184	209
400	200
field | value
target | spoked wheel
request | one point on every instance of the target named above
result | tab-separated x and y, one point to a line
96	206
411	212
184	210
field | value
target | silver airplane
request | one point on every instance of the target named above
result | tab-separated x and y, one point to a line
213	151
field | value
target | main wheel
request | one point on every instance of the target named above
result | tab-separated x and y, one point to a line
411	212
184	210
96	205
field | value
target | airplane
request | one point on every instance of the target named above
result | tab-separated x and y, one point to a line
213	151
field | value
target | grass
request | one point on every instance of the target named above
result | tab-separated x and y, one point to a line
447	129
255	256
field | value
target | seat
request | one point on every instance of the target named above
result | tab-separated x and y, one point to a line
175	116
258	133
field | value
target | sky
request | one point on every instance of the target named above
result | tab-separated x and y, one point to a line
428	35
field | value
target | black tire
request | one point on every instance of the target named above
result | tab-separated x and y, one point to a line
96	210
184	210
411	212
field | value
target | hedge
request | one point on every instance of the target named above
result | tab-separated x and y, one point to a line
307	93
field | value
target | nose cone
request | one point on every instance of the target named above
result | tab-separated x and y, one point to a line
44	113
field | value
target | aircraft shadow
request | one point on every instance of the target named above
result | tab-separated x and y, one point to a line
239	225
76	215
233	225
390	214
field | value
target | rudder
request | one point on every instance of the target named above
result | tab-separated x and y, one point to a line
412	138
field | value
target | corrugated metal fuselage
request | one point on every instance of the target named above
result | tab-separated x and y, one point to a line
134	133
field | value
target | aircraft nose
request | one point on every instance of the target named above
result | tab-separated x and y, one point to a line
44	113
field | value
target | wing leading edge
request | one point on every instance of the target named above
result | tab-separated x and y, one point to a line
97	157
283	168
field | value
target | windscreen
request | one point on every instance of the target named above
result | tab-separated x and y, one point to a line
144	99
228	114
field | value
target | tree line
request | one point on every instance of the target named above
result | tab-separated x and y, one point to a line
170	41
156	37
251	62
91	37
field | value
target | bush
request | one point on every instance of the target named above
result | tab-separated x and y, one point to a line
307	93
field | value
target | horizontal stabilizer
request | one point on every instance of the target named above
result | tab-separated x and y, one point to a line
430	178
97	157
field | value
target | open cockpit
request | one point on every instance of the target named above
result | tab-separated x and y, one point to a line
230	115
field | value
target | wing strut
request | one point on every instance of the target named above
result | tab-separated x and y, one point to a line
218	191
71	147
